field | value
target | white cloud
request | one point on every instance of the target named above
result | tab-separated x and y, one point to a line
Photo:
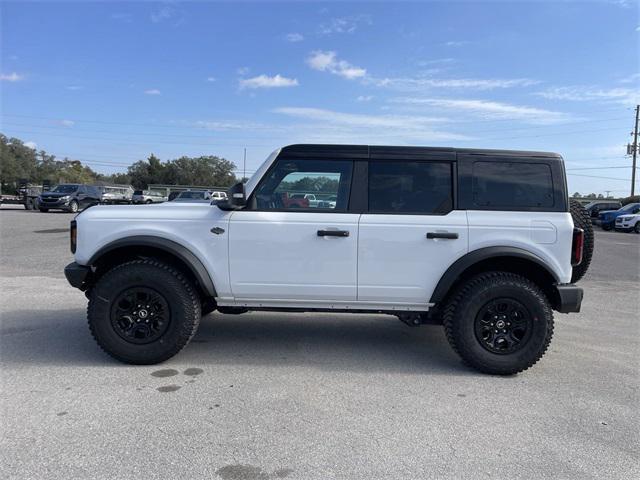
211	79
221	126
67	123
458	43
490	109
584	93
163	13
421	83
265	81
73	87
347	24
152	91
372	128
634	78
364	98
294	37
32	145
327	61
11	77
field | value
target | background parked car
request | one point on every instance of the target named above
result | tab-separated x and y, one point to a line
147	196
607	219
628	223
116	194
594	208
70	197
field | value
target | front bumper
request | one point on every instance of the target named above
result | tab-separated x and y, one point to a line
570	298
77	275
54	203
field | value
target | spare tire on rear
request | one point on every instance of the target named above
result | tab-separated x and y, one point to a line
581	219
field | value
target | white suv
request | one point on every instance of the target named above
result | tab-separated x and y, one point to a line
628	223
483	242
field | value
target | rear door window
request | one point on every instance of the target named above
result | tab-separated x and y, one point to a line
410	187
512	184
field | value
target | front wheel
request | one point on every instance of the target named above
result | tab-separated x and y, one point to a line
143	312
637	228
606	227
73	206
499	323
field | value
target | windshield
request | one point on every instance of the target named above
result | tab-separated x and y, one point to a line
65	188
138	192
192	195
630	207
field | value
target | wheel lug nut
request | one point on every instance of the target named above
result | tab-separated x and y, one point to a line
504	331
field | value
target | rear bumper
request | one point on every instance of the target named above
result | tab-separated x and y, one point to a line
77	275
570	298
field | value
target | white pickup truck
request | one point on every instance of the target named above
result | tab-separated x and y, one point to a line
484	242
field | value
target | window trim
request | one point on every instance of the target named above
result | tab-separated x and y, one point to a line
252	196
454	189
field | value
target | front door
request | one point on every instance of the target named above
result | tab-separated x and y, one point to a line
411	234
285	247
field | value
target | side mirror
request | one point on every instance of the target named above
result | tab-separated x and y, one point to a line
236	198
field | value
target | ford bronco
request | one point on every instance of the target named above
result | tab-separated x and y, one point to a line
484	242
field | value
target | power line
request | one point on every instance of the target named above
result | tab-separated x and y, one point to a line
598	168
596	176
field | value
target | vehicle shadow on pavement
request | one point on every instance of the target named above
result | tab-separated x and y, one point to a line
358	343
337	342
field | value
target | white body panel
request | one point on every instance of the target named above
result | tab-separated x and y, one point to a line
396	261
187	224
278	255
548	235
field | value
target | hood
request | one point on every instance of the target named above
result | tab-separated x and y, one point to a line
152	212
54	194
606	212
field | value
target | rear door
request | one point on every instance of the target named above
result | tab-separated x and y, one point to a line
411	233
282	250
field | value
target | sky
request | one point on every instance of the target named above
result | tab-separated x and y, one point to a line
109	83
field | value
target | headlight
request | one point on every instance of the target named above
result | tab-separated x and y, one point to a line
66	197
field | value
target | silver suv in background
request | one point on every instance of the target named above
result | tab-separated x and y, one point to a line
115	195
148	196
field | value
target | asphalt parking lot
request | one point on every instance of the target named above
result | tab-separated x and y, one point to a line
309	396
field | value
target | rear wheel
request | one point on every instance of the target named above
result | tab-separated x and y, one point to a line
499	323
581	219
143	312
28	204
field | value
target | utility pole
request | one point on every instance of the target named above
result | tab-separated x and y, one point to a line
244	161
635	153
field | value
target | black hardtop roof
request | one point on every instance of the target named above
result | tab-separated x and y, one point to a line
375	150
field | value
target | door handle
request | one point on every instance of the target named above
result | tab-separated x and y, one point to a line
333	233
445	235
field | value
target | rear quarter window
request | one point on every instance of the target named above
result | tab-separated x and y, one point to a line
512	185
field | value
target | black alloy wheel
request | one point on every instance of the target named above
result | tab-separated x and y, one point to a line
503	326
140	315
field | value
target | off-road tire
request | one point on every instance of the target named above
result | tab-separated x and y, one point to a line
463	306
581	219
176	289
